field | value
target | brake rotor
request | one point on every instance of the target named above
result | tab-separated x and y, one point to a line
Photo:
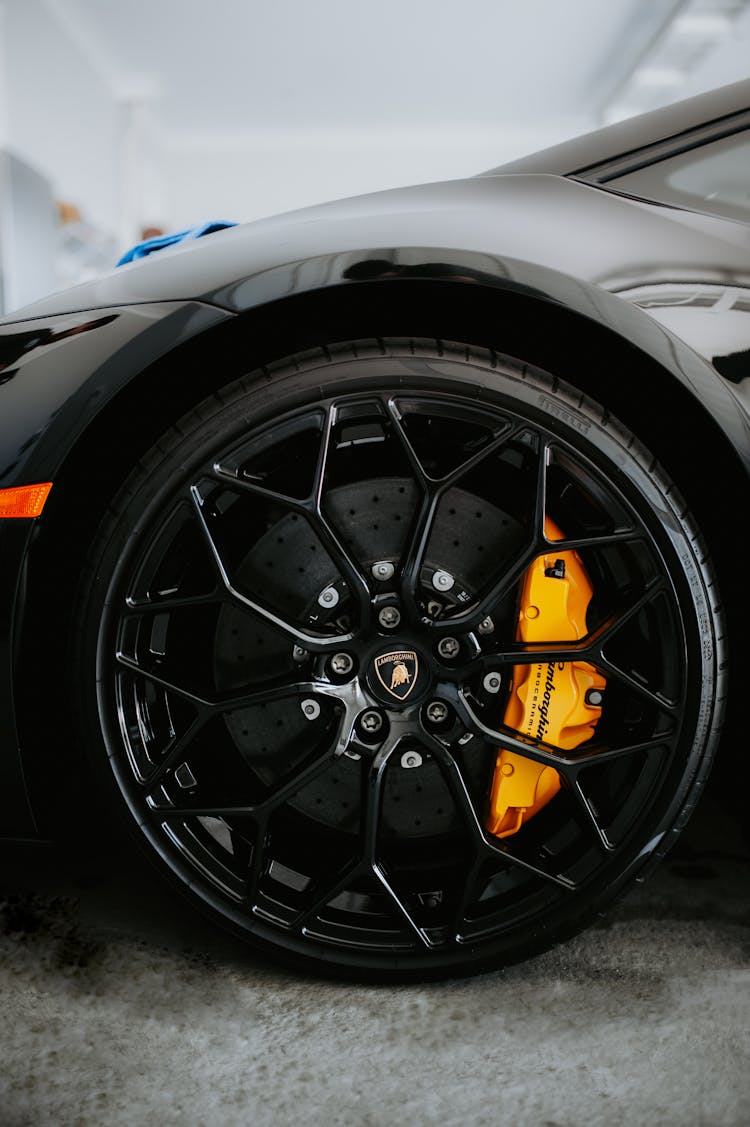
287	565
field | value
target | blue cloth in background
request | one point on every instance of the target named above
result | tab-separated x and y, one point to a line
140	250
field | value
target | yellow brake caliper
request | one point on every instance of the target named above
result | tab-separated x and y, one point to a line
550	701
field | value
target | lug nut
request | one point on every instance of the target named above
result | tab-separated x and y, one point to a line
299	653
389	617
437	711
371	721
411	759
448	647
328	598
442	581
342	663
486	626
383	570
310	709
594	697
492	682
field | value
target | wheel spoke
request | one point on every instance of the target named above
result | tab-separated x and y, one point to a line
547	754
590	817
327	891
665	704
401	907
521	653
517	862
411	563
605	540
232	702
173	752
372	802
506	434
279	691
539	511
502	439
483	842
459	792
465	898
261	809
373	782
595	754
310	508
337	550
247	485
299	780
314	642
257	861
171	602
424	518
373	787
504	586
432	490
606	631
199	703
283	791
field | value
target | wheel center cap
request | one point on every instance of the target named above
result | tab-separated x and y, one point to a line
396	676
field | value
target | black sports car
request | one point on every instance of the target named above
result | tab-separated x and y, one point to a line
369	562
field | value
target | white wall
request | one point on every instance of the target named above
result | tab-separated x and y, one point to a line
65	107
245	176
97	96
60	115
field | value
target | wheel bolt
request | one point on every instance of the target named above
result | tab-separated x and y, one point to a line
411	759
328	598
310	709
389	617
448	647
342	663
594	697
492	682
299	653
442	581
371	721
437	711
383	570
486	626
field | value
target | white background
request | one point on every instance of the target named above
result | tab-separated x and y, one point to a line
170	112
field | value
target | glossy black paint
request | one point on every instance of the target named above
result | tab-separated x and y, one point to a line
672	284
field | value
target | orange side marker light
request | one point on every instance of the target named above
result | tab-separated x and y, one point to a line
23	500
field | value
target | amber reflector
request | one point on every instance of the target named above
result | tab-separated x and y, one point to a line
23	500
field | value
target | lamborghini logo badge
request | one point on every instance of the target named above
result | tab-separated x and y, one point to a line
397	672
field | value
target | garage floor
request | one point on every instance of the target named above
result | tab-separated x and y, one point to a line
119	1007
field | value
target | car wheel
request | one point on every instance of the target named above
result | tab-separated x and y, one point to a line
400	657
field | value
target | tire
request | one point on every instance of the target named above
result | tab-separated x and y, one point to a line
299	535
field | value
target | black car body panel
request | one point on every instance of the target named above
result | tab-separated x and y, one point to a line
671	285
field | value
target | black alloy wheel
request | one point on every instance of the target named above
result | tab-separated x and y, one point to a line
298	637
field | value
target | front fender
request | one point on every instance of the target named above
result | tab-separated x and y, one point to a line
56	374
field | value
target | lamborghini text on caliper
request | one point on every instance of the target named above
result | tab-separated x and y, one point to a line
558	703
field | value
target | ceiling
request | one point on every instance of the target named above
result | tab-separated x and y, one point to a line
168	110
269	64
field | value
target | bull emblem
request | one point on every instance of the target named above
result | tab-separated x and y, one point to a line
400	675
397	672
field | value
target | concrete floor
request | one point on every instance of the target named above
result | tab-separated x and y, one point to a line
120	1007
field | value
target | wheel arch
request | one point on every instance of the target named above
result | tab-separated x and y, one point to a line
622	374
